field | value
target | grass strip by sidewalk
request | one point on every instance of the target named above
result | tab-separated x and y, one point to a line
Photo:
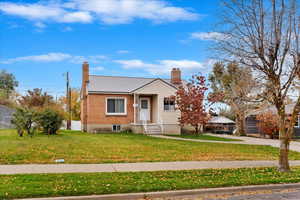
206	137
49	185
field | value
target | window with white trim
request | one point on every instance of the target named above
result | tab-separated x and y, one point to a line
116	128
116	105
169	104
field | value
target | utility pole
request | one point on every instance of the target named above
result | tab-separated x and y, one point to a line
68	96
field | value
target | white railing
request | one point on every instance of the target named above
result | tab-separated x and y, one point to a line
161	125
144	123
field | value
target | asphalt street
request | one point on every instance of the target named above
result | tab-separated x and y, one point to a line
287	194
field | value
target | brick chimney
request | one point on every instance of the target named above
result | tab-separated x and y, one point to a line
85	80
176	76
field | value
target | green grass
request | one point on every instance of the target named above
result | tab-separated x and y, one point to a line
46	185
78	147
206	137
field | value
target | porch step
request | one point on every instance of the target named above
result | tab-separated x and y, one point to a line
153	129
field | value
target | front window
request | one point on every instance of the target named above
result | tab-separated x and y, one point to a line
169	104
115	106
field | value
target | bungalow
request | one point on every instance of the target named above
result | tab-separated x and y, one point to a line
142	105
252	122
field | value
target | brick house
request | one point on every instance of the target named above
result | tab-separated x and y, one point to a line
142	105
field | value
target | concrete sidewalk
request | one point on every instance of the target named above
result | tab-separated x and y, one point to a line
133	167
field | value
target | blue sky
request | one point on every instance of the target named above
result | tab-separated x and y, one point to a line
41	40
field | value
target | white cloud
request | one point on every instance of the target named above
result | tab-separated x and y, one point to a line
125	11
184	64
40	25
90	59
50	57
214	36
123	52
31	11
72	17
135	64
98	68
55	57
106	11
165	66
45	12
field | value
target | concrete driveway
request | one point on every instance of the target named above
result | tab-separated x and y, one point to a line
295	146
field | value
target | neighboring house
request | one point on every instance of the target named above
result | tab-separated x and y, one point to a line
142	105
220	124
252	122
6	116
75	125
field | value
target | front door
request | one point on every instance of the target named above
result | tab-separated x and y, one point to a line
145	109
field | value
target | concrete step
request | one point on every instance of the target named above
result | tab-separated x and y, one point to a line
153	133
153	129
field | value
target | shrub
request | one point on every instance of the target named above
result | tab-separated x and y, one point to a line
268	123
50	121
24	121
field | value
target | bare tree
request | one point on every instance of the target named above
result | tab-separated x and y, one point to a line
234	85
264	35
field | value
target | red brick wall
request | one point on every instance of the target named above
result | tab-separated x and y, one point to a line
96	110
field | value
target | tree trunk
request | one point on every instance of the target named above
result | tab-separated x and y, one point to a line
196	130
284	145
20	132
201	128
240	125
284	155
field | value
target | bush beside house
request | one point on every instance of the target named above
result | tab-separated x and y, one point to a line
50	121
28	121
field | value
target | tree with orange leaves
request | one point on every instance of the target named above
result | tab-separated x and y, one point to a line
190	101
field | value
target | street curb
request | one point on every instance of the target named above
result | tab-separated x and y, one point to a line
177	193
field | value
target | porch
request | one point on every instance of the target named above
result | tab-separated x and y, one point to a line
146	114
145	109
154	115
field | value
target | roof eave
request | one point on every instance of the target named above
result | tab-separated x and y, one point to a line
152	82
107	92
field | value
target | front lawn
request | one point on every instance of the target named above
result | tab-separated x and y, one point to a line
78	147
206	137
47	185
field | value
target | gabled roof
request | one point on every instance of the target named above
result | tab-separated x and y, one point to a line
288	110
157	79
220	120
119	84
